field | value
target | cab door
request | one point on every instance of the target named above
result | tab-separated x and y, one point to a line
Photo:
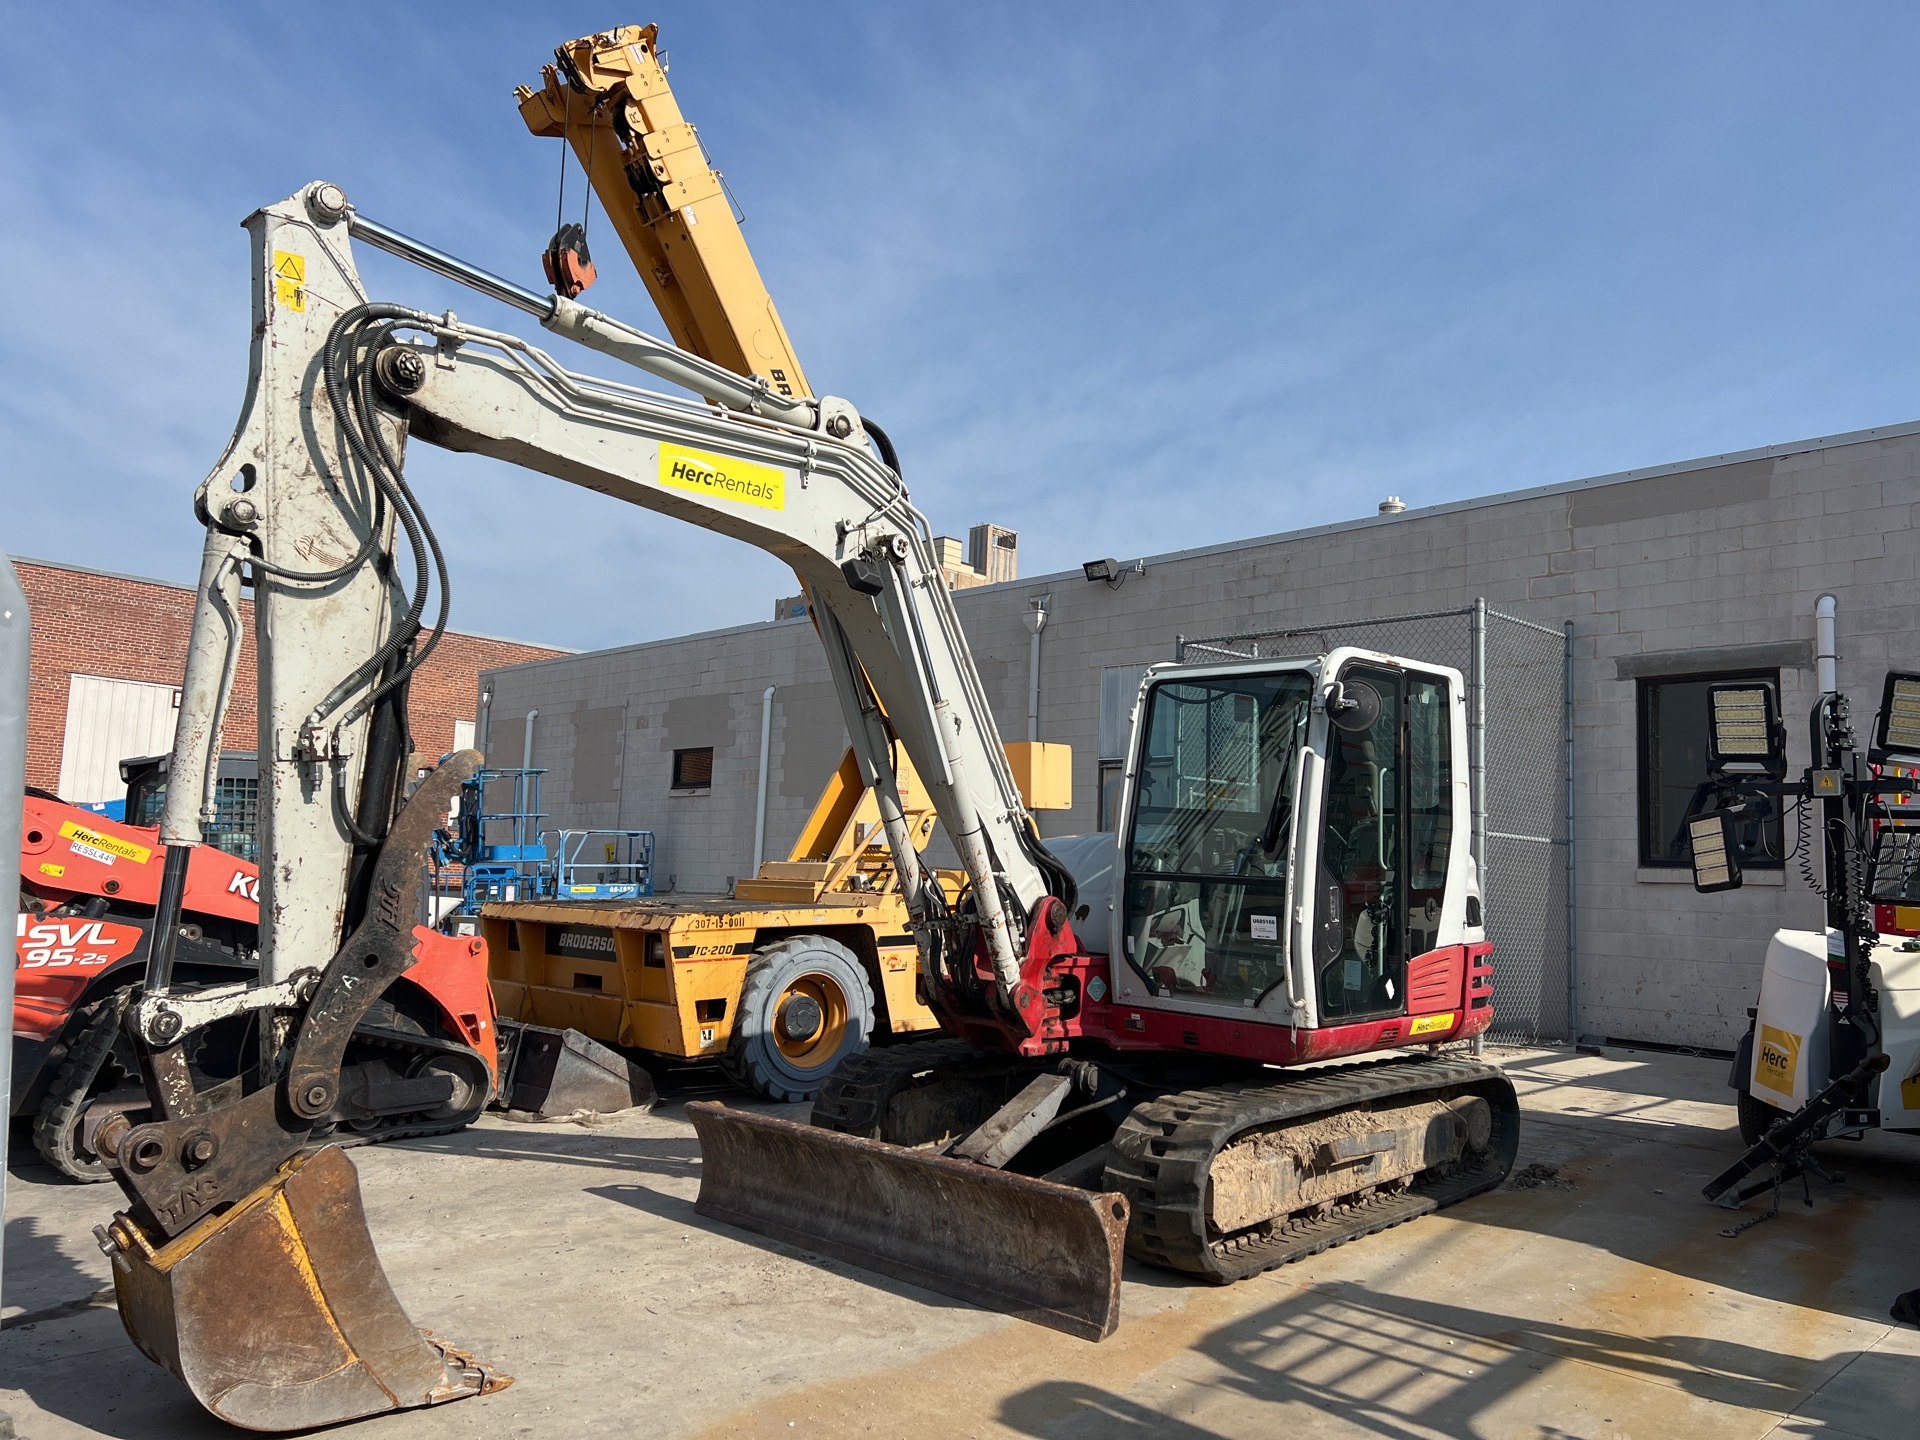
1386	834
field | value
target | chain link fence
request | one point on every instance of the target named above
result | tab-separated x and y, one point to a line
1520	729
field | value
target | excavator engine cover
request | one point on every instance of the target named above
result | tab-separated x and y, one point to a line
277	1315
1046	1252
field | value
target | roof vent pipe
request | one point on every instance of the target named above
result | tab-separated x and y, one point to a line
1036	621
1392	505
1825	659
526	745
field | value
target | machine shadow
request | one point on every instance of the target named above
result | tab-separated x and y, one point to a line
1632	1189
673	1157
1409	1369
52	1351
671	1207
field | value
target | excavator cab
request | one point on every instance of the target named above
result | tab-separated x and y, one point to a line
1324	792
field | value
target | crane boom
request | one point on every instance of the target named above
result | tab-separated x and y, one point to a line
607	97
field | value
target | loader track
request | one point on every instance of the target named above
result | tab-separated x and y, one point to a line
1163	1153
416	1125
56	1129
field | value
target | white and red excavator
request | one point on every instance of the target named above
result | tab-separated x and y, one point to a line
1128	1016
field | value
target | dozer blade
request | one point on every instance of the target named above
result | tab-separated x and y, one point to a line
277	1315
1045	1252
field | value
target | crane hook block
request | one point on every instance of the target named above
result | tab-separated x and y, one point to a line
567	262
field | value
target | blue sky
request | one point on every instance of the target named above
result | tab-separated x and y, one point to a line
1126	278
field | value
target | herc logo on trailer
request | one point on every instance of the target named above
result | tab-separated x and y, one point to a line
1778	1059
719	478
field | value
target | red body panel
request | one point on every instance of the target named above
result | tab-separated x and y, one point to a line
58	960
1449	995
451	970
66	852
1458	967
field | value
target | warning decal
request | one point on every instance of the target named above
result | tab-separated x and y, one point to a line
104	847
719	478
290	279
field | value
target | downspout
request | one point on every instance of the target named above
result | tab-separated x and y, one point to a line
484	731
1826	666
760	804
526	745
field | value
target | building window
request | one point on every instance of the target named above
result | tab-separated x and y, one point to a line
693	769
1673	766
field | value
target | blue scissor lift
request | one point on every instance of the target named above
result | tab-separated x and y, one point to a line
494	849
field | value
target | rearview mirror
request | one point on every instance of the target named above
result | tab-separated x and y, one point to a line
1353	708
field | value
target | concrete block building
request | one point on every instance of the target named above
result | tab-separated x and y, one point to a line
1669	577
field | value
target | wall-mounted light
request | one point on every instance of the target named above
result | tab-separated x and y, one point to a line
1112	571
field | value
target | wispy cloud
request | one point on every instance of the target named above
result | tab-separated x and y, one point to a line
1123	277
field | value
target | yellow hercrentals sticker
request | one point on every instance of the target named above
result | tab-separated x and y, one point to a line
125	849
1428	1024
719	478
1778	1061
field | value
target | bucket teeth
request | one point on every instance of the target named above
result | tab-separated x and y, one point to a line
277	1315
1046	1252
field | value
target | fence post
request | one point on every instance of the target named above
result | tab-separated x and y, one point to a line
1573	913
1477	686
16	635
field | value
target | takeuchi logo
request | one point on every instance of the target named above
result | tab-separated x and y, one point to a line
718	477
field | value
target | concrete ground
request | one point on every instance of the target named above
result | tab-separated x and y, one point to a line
1603	1303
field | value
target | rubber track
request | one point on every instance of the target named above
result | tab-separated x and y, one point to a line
1164	1151
66	1100
853	1099
399	1129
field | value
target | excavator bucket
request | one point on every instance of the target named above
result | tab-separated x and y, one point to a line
1048	1253
277	1315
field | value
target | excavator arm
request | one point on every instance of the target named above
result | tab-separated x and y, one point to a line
305	505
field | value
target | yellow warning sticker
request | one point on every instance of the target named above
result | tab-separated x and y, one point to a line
56	871
125	849
719	478
1429	1024
1777	1061
1909	1087
290	279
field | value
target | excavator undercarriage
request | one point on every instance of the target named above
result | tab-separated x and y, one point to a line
1017	1183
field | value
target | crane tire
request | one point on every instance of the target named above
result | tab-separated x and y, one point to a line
805	1006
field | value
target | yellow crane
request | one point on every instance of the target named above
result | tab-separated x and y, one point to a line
793	972
607	97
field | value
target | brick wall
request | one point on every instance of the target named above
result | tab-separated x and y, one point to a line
126	628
